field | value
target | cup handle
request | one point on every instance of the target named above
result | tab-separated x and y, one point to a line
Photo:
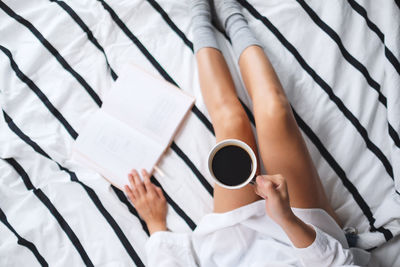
253	180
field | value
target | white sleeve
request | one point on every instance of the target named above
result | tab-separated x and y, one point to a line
325	251
167	249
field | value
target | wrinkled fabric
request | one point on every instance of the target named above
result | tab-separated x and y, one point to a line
248	237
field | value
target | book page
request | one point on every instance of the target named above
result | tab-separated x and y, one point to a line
147	103
115	149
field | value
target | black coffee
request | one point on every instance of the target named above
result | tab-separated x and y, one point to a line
232	165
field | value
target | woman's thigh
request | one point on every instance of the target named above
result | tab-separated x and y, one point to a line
282	147
284	151
230	199
228	118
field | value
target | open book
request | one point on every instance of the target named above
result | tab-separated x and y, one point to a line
135	125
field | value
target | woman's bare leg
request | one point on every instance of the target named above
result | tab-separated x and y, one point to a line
282	148
228	118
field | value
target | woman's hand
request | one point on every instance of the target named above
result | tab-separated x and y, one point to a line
148	200
273	189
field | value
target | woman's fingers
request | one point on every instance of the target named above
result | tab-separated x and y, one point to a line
140	189
269	185
133	188
270	189
279	184
259	180
159	192
277	180
130	194
147	183
261	189
138	182
131	181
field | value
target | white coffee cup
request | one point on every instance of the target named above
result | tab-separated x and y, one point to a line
244	146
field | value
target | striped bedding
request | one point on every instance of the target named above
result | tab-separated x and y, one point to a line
338	62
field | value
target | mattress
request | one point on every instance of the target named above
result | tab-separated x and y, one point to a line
337	60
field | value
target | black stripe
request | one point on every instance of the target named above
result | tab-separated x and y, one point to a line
22	241
342	175
53	51
361	10
397	3
152	60
21	172
122	197
394	135
91	193
361	130
167	19
194	169
248	112
39	93
23	136
124	240
86	29
352	60
203	119
136	41
46	201
336	38
389	55
175	206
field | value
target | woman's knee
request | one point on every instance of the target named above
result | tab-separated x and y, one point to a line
275	106
232	119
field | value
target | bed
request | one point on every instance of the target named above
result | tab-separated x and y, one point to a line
337	60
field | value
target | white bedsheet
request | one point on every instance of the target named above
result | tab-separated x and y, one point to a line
335	68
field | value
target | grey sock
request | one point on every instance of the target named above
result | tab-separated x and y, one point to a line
203	32
231	17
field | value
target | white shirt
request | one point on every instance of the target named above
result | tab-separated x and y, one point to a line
248	237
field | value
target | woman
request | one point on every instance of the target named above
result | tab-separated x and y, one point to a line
255	225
